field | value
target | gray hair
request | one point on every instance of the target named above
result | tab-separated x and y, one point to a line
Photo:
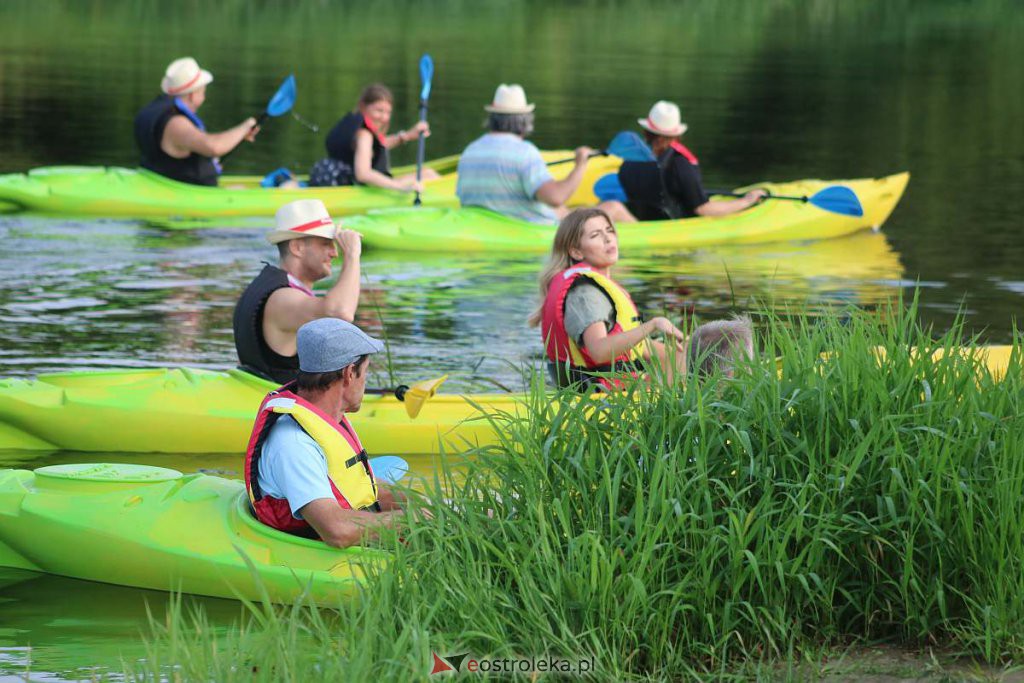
717	345
519	124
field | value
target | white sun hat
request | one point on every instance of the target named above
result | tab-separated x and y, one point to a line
183	76
663	120
302	218
509	99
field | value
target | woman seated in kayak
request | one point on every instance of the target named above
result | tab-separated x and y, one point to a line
358	147
671	187
588	322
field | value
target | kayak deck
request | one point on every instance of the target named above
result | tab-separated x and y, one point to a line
475	229
151	527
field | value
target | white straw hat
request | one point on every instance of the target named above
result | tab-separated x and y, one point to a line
302	218
509	99
183	76
663	120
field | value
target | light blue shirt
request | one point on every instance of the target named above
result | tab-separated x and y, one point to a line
502	172
293	466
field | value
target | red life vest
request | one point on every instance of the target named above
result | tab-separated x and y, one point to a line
683	150
560	348
348	467
374	131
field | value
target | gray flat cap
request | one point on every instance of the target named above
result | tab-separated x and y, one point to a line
329	344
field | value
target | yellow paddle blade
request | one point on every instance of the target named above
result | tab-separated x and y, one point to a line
418	394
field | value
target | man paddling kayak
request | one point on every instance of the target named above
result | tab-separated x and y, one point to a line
589	323
305	470
171	136
280	299
503	172
671	187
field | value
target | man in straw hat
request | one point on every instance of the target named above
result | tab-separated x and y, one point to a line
305	470
672	187
280	300
172	137
503	172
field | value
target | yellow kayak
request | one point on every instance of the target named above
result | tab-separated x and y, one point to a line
476	229
200	411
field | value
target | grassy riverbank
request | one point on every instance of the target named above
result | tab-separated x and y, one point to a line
755	525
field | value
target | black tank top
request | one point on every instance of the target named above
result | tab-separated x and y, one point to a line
149	131
341	144
254	354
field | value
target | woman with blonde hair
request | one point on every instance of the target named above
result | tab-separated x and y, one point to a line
359	144
588	322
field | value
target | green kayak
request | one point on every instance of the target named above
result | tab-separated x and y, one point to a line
132	193
152	527
474	229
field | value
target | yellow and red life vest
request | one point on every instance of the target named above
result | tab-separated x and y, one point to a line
348	466
560	348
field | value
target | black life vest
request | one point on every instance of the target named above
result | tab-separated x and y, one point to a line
341	143
647	183
254	354
150	123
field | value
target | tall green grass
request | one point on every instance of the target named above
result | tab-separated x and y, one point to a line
812	501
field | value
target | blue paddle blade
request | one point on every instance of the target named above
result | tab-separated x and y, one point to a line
284	99
426	75
838	199
629	146
388	469
609	188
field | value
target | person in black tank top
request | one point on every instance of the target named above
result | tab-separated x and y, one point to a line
280	299
358	147
671	187
171	136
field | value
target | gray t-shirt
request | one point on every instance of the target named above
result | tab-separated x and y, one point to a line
586	304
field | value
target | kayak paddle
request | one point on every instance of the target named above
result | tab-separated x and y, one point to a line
834	198
389	468
281	103
426	75
626	145
415	396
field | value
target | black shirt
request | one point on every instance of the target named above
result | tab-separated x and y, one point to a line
665	189
341	143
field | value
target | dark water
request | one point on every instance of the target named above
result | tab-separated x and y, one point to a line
771	89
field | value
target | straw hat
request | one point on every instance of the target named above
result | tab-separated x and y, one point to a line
183	76
663	120
302	218
509	99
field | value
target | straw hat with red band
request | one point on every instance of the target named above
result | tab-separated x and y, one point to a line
302	218
664	119
184	76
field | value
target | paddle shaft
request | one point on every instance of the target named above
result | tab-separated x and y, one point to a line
730	193
599	153
398	392
420	151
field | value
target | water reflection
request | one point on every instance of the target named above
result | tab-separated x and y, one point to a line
132	297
